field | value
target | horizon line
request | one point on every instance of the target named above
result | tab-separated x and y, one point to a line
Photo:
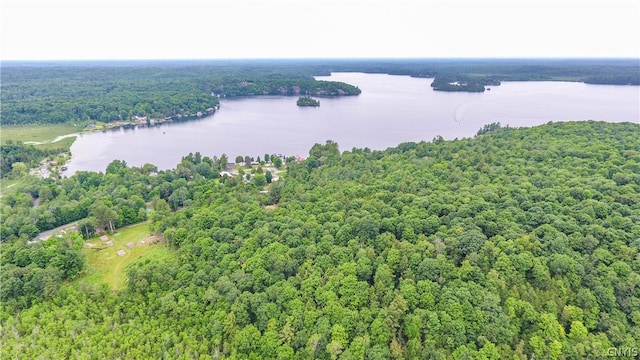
326	58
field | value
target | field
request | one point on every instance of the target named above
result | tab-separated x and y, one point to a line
62	144
38	133
105	266
6	186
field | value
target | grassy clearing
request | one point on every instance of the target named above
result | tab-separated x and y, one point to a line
7	186
105	266
64	144
37	132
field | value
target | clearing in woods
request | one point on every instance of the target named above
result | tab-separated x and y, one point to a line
106	266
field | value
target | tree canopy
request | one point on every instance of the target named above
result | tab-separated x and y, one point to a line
516	243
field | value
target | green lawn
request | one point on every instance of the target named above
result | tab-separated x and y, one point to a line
62	144
105	266
7	186
37	132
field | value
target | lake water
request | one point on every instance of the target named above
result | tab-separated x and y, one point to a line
391	110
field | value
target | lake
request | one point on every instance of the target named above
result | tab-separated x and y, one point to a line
391	110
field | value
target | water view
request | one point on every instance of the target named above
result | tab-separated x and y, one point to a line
390	110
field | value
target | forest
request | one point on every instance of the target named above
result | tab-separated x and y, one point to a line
517	243
106	92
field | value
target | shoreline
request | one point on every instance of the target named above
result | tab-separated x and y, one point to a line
43	169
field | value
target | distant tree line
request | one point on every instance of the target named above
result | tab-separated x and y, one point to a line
110	91
614	79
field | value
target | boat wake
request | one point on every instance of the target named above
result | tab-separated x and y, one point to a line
461	110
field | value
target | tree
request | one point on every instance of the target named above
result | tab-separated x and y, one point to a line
29	231
115	166
104	215
178	197
223	162
268	177
45	193
380	334
260	180
160	206
323	154
334	348
312	163
87	227
149	168
277	161
19	169
470	242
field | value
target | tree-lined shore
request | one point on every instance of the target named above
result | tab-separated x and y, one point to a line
62	92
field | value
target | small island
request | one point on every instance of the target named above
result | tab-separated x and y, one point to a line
466	83
307	101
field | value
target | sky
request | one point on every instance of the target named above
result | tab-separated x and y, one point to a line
231	29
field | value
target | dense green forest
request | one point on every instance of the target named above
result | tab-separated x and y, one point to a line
514	244
108	92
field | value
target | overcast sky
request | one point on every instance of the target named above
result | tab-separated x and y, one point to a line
213	29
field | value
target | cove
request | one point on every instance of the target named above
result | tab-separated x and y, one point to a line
391	109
